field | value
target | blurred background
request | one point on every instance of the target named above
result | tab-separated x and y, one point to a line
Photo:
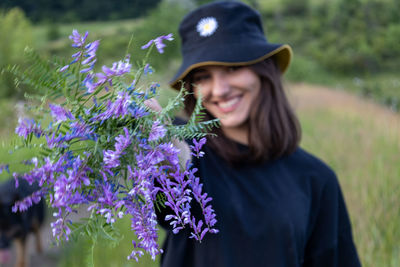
343	82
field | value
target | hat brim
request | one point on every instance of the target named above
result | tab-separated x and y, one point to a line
282	53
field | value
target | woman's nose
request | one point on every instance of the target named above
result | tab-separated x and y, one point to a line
220	86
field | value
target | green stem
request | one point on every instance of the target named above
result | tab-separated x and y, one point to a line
144	61
78	72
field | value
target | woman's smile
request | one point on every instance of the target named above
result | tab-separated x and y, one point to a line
229	104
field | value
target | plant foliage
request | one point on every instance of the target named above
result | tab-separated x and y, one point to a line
106	150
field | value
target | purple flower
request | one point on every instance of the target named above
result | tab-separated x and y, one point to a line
28	201
59	114
77	175
60	229
78	39
153	87
147	69
28	126
123	141
170	153
64	68
107	202
144	222
110	157
202	199
90	53
31	161
118	68
79	130
88	56
159	42
197	146
125	168
157	131
123	106
4	167
16	179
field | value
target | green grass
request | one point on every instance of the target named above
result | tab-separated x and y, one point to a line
381	87
364	151
8	139
104	255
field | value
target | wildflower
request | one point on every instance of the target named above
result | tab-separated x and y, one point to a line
4	167
16	179
59	114
159	42
123	141
143	222
28	126
60	228
197	146
128	162
147	69
110	157
87	57
123	106
157	131
118	68
79	129
153	87
31	161
78	39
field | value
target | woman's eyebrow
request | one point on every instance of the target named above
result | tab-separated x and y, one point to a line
199	71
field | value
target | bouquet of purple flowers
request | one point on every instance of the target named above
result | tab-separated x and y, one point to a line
105	150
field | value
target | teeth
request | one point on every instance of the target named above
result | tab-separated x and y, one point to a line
229	103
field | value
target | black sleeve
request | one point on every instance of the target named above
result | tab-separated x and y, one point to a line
330	243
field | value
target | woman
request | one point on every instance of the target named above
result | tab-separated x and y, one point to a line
276	204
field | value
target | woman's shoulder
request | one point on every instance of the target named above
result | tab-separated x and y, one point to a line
307	164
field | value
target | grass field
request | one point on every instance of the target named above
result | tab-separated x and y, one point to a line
361	141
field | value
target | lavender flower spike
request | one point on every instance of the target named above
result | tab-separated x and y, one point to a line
157	131
197	146
27	126
59	114
4	167
78	39
159	42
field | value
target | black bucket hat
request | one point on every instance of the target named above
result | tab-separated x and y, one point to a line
227	34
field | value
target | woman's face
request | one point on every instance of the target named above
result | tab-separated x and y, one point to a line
228	93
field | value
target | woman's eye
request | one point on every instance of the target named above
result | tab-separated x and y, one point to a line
234	68
200	78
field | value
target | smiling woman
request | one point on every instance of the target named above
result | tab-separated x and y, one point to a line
252	108
276	204
228	94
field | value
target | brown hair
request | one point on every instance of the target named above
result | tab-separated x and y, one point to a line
274	129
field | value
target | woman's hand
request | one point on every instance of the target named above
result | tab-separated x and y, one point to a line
153	104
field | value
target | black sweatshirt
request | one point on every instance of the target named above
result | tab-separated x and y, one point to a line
286	212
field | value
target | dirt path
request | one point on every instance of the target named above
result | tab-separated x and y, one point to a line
309	98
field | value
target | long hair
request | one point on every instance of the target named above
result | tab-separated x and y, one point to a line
274	129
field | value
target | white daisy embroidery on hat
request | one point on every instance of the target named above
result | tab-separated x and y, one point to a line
207	26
